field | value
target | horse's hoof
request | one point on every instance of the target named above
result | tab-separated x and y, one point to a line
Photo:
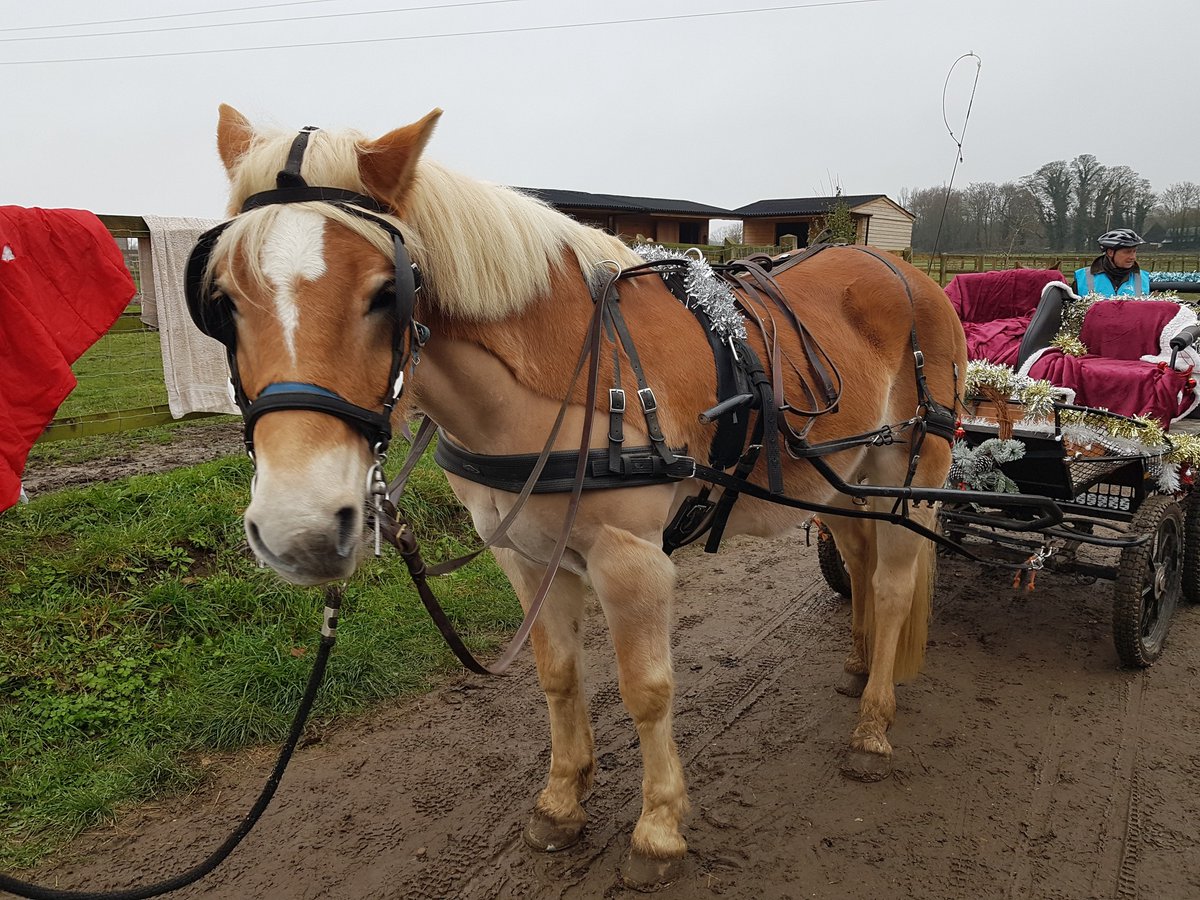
544	834
869	767
852	684
649	873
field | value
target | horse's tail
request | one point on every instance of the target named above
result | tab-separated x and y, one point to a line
910	649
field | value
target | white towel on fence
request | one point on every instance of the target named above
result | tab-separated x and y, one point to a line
194	365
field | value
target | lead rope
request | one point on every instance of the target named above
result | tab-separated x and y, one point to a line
333	603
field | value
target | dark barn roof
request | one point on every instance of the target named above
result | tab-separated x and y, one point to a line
620	203
801	206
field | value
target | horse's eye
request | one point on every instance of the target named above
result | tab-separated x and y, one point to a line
384	299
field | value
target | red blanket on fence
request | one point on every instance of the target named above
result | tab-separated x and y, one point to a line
63	282
995	309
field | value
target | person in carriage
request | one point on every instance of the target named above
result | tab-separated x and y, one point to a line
1115	272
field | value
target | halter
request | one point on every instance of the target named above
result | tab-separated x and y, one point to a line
212	312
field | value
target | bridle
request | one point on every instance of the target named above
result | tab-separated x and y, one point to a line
213	312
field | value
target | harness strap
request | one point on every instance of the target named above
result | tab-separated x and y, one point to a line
645	392
400	535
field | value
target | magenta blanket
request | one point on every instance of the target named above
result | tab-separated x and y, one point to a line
1123	329
995	309
63	283
1128	387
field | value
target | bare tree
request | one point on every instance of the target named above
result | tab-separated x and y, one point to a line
1180	205
1052	188
1090	177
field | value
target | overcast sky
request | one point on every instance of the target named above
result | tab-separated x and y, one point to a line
690	103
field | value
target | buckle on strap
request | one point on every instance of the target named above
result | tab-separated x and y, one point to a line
682	467
616	400
646	395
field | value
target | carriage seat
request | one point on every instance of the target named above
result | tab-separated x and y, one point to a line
996	309
1127	365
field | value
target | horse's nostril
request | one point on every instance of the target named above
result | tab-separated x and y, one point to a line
347	531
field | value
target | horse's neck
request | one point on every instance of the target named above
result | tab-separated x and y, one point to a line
498	386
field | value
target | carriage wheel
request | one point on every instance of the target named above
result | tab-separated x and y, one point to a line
833	567
1149	582
1191	547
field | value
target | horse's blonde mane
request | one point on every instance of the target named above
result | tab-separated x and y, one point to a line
485	250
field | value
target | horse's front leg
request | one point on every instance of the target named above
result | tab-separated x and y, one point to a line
558	818
635	582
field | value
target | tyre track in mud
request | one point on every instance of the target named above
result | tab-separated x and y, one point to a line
1026	765
711	697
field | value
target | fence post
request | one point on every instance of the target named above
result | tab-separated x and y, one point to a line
942	269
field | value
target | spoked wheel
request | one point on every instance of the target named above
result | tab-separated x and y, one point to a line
829	558
1149	582
1191	547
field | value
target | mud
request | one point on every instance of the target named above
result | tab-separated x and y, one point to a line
1027	765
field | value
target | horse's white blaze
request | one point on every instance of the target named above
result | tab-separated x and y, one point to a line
294	250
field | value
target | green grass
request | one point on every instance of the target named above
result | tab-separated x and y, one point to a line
137	633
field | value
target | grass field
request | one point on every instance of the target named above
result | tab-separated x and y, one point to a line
139	634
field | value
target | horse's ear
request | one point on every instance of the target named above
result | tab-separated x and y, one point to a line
234	134
386	165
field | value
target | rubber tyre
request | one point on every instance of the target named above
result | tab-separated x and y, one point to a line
1149	582
1191	547
833	567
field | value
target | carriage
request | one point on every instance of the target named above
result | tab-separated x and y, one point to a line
1123	483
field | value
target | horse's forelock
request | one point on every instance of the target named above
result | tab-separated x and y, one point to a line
330	160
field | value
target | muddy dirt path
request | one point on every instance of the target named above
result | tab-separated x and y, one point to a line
1027	766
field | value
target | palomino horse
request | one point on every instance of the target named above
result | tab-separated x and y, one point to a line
506	295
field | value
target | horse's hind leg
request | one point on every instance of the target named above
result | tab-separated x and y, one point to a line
855	540
635	582
898	623
558	816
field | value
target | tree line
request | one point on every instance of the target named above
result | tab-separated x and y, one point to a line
1063	206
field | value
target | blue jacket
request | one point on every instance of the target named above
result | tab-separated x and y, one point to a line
1102	284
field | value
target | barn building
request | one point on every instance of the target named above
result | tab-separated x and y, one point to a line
660	221
880	221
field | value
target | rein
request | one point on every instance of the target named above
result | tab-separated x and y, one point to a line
333	603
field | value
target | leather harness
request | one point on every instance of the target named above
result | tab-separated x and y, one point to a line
746	390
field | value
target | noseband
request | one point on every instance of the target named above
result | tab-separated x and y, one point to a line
213	312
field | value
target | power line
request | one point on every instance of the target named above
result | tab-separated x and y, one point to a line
203	12
367	12
448	34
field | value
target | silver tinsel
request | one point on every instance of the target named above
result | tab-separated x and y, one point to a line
704	289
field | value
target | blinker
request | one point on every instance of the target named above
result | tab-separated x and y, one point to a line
212	311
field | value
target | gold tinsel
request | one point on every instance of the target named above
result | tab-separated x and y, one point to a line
1070	345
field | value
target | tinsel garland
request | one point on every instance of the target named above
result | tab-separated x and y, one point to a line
704	289
1171	459
1175	276
1035	395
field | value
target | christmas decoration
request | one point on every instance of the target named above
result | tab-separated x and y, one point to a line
704	288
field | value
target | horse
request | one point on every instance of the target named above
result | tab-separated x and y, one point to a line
307	284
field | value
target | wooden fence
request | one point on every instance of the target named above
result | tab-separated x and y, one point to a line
121	382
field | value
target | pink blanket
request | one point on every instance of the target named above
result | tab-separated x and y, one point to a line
995	309
63	283
1125	369
1128	387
